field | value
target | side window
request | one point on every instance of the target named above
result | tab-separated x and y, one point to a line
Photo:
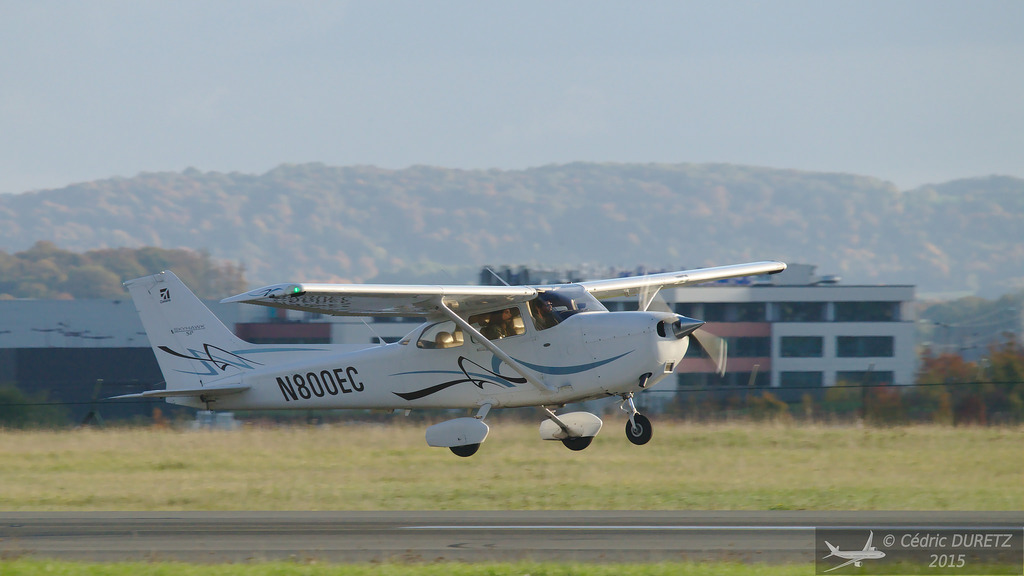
555	305
499	324
440	335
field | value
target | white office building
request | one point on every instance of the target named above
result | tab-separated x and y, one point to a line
796	330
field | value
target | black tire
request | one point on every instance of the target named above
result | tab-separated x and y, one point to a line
642	435
577	443
465	451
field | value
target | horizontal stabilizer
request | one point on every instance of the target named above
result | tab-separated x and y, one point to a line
208	392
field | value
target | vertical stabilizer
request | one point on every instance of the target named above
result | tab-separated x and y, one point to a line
192	346
835	551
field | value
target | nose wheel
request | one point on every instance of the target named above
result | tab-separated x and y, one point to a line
638	427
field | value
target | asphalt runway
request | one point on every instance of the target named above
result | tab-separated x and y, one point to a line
623	536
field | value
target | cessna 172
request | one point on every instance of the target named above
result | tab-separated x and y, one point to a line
480	347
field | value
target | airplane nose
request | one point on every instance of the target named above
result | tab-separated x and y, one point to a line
680	328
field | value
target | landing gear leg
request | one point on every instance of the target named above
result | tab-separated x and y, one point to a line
638	427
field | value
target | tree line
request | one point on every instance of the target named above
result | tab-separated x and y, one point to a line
46	271
424	224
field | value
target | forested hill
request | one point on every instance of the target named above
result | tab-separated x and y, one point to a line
322	223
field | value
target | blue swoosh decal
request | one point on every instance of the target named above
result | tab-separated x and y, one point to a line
474	375
475	378
563	370
214	358
480	379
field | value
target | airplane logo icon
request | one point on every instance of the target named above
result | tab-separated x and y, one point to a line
855	557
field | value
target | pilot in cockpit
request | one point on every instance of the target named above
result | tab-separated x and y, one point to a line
543	313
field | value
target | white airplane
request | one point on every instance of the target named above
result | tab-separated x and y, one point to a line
480	347
855	557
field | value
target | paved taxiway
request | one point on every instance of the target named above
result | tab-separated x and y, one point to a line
625	536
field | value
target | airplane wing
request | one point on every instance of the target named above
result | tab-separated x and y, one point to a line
383	299
415	300
632	285
844	564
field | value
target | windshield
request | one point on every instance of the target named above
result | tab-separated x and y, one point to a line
553	306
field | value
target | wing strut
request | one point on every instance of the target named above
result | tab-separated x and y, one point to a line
467	327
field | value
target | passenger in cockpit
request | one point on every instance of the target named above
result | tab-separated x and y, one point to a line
495	327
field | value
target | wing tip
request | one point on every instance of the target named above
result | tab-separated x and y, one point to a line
273	291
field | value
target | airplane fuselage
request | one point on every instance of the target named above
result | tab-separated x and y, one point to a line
589	355
481	347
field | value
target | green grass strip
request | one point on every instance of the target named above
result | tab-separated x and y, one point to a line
30	567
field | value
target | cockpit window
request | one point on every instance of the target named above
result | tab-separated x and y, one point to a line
440	335
553	306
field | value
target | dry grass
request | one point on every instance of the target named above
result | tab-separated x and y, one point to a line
389	467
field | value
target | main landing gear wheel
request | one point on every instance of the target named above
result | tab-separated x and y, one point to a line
638	430
577	443
465	451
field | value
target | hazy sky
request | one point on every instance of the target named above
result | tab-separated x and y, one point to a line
912	92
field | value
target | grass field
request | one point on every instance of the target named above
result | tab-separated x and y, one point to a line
389	467
34	567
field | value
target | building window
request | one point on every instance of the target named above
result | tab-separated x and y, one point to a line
716	312
686	309
693	350
867	311
284	332
749	346
751	312
398	319
865	377
695	379
737	347
732	312
691	380
742	379
865	347
801	379
802	346
800	311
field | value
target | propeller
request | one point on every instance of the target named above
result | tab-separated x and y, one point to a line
650	298
715	346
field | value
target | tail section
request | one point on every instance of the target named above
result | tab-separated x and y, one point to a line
192	346
835	551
